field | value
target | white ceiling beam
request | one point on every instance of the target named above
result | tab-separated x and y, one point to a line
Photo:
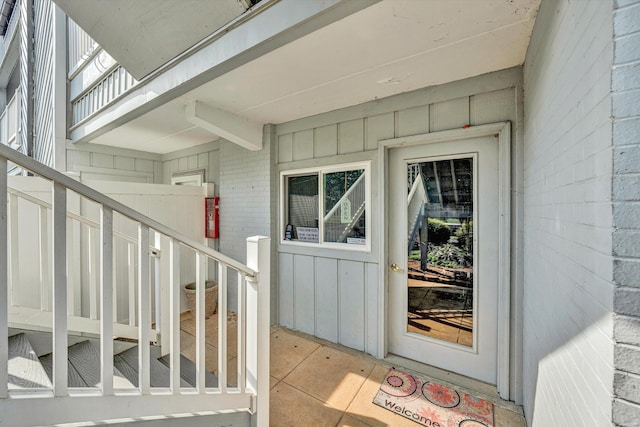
231	127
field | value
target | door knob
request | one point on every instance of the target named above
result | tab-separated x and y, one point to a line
395	267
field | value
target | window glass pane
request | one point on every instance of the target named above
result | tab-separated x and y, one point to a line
303	207
440	250
344	207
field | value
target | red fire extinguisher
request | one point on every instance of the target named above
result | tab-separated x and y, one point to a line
212	217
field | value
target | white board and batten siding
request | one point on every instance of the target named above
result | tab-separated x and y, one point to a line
336	294
330	298
178	207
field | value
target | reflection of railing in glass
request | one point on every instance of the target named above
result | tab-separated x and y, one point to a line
346	217
440	250
415	207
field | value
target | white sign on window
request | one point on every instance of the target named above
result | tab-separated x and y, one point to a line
308	234
345	211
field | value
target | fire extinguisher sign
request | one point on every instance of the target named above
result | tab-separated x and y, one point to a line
211	217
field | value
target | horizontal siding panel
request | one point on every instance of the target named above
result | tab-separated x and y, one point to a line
303	145
451	114
413	121
351	137
378	128
492	107
285	148
326	141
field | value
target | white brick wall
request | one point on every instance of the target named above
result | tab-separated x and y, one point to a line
246	193
568	296
625	85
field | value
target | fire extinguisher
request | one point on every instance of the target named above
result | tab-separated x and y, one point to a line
212	217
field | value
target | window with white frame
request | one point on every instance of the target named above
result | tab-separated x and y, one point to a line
327	206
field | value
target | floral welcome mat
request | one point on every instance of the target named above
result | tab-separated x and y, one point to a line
431	404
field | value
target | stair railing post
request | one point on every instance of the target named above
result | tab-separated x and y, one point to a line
43	252
106	300
144	309
200	319
15	249
174	302
223	283
258	326
4	282
60	340
163	309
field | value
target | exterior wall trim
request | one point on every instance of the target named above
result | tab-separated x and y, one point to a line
503	131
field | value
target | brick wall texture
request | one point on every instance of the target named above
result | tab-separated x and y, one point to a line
568	268
625	88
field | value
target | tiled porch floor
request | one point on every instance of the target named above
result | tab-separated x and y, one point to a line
317	383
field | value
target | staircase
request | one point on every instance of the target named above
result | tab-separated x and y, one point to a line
28	371
75	379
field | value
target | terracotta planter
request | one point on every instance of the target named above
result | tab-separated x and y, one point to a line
210	297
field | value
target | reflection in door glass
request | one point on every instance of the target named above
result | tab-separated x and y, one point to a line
440	249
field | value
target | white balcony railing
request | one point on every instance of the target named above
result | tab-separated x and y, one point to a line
10	122
101	94
61	403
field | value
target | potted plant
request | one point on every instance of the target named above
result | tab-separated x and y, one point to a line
210	299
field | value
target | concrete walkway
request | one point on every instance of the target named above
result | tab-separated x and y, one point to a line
318	383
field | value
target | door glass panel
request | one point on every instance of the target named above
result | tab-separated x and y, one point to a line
440	249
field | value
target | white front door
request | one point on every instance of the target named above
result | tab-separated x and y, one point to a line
443	274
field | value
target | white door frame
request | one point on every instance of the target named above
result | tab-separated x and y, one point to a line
503	131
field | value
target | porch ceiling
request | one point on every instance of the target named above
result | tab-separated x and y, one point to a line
392	47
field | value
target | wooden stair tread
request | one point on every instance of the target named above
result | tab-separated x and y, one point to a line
25	369
160	374
74	379
85	359
188	371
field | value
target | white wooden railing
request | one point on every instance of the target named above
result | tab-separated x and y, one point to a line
115	83
62	404
106	81
416	201
29	308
